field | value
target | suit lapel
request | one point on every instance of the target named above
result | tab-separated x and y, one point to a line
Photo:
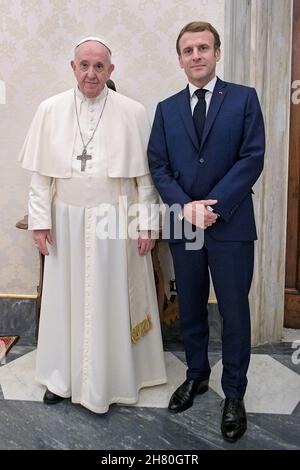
217	98
184	103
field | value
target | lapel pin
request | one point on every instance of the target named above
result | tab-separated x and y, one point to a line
220	92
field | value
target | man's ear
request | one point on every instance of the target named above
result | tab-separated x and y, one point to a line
72	63
111	69
180	61
218	54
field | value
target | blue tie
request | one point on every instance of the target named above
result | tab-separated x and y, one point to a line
199	114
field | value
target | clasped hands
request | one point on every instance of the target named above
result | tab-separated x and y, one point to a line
196	213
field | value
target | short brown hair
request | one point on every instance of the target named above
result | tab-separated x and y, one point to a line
196	27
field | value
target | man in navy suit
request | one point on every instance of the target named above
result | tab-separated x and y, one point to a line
205	152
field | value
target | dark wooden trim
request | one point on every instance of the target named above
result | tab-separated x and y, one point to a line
292	291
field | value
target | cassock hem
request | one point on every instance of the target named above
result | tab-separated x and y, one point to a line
118	400
53	389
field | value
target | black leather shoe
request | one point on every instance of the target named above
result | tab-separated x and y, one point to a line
51	399
183	397
234	419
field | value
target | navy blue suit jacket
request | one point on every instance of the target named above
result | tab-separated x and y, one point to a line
224	166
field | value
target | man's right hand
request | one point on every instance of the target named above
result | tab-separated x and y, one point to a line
41	237
197	214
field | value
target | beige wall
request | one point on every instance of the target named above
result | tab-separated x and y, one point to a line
36	39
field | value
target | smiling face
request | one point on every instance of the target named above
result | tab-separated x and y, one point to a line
92	67
199	57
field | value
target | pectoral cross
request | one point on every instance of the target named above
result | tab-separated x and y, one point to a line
84	157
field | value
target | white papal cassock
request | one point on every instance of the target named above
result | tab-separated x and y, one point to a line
85	348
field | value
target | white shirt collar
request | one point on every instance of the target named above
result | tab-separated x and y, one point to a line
82	97
209	86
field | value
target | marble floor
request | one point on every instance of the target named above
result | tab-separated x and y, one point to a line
272	402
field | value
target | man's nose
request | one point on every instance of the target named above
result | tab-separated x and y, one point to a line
196	54
91	72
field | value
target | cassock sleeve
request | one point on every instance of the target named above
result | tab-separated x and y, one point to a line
39	204
148	204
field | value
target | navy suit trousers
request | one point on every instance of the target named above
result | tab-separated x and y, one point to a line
231	268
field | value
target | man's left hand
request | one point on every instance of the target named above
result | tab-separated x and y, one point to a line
196	213
145	242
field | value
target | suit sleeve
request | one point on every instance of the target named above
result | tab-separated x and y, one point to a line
159	164
238	181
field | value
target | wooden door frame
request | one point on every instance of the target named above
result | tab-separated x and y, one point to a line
292	277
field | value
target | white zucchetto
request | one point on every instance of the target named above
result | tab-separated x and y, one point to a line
93	38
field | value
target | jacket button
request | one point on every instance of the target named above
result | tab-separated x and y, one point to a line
201	160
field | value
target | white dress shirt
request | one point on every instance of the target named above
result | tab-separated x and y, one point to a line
209	87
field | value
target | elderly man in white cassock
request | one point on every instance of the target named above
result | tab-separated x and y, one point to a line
99	335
